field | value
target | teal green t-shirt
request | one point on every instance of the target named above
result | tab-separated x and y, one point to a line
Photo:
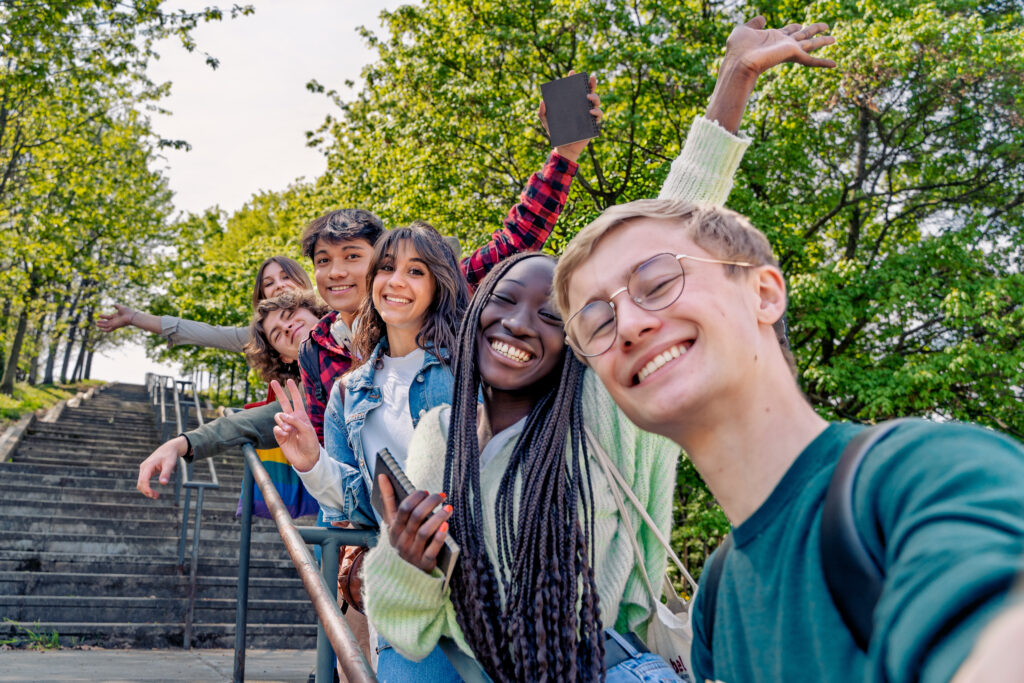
941	506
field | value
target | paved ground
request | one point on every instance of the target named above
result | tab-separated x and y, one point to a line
287	666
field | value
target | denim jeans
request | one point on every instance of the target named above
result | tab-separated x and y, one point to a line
394	668
642	667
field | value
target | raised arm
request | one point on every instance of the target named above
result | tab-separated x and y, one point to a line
704	170
529	223
176	330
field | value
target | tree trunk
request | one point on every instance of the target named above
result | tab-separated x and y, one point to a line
88	364
231	387
69	345
72	333
80	362
3	328
37	340
7	383
51	357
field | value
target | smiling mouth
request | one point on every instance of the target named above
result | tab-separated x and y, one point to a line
661	359
397	300
511	352
337	289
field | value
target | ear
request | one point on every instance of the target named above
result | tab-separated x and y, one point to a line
771	290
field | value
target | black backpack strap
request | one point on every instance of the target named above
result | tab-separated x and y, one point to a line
853	576
709	581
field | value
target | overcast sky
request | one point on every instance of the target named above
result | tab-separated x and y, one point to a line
246	120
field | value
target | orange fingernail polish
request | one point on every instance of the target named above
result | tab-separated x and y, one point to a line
444	528
443	495
448	508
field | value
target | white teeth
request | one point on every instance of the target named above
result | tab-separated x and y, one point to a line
396	300
510	351
660	360
340	288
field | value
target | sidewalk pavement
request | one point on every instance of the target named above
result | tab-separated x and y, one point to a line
287	666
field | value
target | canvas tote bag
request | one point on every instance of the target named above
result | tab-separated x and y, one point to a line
669	633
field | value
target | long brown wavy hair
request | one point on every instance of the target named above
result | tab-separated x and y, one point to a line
451	295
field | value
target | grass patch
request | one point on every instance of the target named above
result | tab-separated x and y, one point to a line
28	399
32	638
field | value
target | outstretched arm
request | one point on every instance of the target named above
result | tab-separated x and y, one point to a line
126	315
176	330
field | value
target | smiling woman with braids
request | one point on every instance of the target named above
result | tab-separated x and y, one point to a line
538	526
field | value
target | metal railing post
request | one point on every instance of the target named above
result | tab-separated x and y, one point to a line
242	605
190	613
187	473
329	570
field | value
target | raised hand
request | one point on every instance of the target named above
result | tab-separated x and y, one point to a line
416	531
573	150
294	432
162	462
758	49
108	322
750	51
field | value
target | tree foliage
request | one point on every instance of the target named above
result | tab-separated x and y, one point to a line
81	206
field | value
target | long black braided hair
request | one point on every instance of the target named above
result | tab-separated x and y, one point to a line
545	561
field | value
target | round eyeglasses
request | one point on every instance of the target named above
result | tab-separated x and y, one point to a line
653	285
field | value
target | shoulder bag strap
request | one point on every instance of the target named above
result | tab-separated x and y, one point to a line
615	475
853	576
709	581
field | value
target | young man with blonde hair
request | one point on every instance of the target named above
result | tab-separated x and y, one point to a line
674	306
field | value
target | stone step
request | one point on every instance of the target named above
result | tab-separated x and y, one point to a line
28	492
60	463
140	565
164	546
153	530
90	430
161	610
147	635
17	474
133	585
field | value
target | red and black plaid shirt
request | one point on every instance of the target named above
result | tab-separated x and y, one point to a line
528	224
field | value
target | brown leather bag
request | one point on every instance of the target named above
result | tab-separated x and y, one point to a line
350	582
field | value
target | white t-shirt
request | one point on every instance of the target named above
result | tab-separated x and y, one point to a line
389	425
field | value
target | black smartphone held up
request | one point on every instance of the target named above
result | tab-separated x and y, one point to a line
569	118
386	465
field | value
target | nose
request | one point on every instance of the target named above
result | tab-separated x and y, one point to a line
517	322
396	278
633	323
338	269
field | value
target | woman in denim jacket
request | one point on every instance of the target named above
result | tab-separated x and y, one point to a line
345	418
417	298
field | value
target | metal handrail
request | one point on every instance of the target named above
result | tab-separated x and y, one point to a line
331	625
159	385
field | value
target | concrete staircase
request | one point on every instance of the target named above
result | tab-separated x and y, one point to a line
83	553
